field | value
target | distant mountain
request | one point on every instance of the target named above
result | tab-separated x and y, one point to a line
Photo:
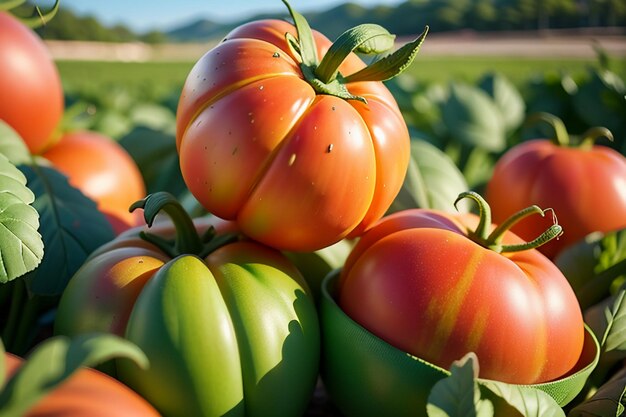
197	30
407	18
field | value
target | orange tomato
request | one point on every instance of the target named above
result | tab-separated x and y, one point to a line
297	170
32	95
87	393
103	171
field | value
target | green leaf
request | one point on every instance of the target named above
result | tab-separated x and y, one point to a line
458	394
432	180
21	245
71	227
608	322
365	38
473	119
507	98
12	146
511	400
601	101
390	65
55	360
609	399
152	116
156	156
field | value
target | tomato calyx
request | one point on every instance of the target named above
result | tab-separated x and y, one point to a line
493	240
563	138
39	18
187	240
324	75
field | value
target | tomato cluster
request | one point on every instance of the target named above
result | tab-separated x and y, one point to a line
292	143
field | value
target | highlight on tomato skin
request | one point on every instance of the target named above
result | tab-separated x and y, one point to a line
103	170
32	95
298	166
418	281
584	183
87	393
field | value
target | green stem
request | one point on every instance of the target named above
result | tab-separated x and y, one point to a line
590	137
40	19
324	76
561	135
493	240
187	240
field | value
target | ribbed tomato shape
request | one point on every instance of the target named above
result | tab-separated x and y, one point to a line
297	170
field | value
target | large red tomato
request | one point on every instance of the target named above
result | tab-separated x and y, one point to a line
103	171
296	168
88	393
420	281
585	186
32	95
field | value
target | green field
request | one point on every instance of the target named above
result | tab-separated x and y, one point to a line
163	77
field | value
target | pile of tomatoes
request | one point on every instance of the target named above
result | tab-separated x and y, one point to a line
293	144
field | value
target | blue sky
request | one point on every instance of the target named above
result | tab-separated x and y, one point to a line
142	15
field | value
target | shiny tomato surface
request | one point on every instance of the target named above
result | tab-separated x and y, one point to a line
296	169
586	188
103	171
418	282
32	96
87	393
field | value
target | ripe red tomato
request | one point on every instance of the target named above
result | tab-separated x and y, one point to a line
298	170
103	171
417	281
32	95
87	393
584	185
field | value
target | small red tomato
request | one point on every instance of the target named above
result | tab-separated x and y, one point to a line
420	281
87	393
585	185
32	95
103	171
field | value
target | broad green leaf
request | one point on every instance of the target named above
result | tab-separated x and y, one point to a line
156	156
507	98
472	118
458	394
601	101
432	180
55	360
12	146
21	245
512	400
71	227
608	401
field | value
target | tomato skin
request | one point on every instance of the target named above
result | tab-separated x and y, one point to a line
87	393
103	171
297	170
32	95
238	327
586	188
421	285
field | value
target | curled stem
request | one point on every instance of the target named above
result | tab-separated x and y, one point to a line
493	240
187	240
